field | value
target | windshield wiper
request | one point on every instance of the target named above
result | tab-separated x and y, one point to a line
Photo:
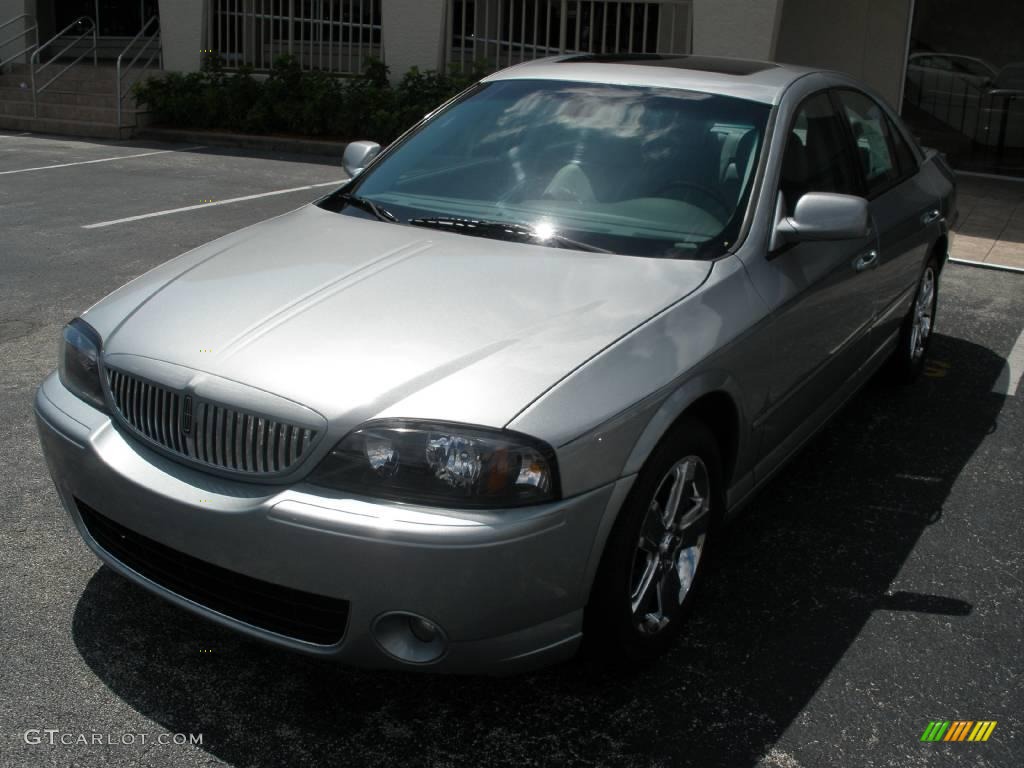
382	213
503	230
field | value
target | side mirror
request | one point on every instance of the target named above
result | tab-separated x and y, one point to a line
358	155
823	216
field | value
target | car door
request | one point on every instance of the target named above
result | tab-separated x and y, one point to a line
822	308
903	210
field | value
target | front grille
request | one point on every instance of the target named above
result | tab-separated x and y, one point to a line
285	611
208	433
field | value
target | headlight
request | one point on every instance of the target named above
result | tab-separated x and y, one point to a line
441	465
79	365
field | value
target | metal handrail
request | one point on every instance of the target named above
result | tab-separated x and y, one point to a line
34	60
29	19
158	51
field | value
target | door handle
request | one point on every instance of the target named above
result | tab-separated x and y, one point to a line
866	260
929	216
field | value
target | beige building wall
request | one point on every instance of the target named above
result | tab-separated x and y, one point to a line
181	33
413	34
8	10
741	28
864	38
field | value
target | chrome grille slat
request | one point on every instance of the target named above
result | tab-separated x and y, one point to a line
124	389
200	436
279	441
137	404
151	412
207	433
260	425
137	407
166	415
175	417
210	432
126	393
140	413
130	401
250	443
136	410
220	456
235	441
160	420
147	409
219	436
243	452
231	423
157	421
144	410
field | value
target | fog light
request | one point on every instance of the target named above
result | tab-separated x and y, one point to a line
410	638
425	631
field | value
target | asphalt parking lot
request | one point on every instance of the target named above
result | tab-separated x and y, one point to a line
875	585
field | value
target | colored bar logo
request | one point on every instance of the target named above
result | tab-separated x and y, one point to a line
958	730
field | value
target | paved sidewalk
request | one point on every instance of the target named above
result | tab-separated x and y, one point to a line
991	225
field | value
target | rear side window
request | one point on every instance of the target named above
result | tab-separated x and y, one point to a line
883	154
816	158
904	154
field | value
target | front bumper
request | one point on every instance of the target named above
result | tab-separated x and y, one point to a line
507	588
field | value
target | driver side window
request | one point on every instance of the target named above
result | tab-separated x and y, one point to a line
816	157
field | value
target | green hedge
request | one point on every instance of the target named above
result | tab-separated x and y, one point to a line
290	100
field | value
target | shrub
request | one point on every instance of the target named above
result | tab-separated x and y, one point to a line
290	100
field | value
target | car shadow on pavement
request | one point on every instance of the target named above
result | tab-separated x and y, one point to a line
798	576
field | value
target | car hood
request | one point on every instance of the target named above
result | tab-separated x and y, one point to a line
359	319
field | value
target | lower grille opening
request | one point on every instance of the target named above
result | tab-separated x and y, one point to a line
285	611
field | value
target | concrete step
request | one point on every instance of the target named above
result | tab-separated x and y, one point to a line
87	129
15	81
83	71
91	86
54	96
81	78
68	81
106	50
75	112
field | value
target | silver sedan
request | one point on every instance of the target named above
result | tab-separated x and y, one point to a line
495	397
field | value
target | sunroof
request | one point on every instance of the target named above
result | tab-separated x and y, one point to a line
700	63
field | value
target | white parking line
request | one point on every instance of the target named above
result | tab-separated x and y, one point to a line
1009	377
101	160
211	205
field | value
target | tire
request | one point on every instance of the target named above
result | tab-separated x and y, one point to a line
916	333
626	624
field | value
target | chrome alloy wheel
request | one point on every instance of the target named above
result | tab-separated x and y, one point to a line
670	544
923	315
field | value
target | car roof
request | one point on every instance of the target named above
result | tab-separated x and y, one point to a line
762	81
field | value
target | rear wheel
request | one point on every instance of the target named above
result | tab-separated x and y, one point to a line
656	554
916	333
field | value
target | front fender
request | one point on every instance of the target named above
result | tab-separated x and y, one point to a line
679	402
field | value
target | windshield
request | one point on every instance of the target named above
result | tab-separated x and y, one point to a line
653	172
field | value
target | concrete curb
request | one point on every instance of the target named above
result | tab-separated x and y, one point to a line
298	146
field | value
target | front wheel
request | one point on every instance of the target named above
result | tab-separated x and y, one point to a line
916	333
656	554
